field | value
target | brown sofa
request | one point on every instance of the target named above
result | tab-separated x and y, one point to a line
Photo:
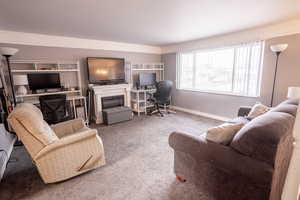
253	166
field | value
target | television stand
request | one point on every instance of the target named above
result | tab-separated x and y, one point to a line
101	91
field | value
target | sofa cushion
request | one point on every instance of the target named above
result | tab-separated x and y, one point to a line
257	110
31	119
224	133
239	120
286	108
294	101
260	137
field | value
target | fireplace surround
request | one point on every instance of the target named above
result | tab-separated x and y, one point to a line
112	93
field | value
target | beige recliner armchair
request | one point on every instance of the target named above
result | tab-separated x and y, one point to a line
61	151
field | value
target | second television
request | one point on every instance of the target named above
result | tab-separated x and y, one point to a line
105	71
43	81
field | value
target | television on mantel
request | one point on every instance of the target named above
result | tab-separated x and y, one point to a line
105	71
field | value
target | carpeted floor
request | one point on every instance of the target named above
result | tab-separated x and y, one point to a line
139	166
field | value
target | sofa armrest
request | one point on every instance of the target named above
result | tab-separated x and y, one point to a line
197	146
68	127
185	142
244	111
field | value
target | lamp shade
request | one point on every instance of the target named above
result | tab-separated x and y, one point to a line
293	92
7	51
278	47
20	80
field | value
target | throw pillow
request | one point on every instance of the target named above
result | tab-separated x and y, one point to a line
224	133
257	110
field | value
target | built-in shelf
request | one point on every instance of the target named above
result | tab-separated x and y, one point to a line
43	71
142	109
147	69
48	93
38	62
140	100
137	68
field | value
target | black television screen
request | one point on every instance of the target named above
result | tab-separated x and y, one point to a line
43	81
147	79
106	70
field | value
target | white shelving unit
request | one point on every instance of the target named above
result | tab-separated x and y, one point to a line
139	100
139	97
47	93
38	66
44	71
159	68
69	72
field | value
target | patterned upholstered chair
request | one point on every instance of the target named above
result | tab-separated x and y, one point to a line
61	151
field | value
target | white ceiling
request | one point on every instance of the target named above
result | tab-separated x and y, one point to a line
151	22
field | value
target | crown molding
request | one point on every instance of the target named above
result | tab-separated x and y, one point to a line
261	33
12	37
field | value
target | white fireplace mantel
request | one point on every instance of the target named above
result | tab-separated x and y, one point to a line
101	91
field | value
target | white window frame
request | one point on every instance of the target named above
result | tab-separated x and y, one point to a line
178	71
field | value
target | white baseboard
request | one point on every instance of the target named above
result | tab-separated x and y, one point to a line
202	114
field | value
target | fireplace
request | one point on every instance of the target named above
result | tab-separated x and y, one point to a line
103	91
112	101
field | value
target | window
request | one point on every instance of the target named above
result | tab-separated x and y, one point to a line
232	70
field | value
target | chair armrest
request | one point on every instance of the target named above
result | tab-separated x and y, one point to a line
244	111
66	141
70	156
65	128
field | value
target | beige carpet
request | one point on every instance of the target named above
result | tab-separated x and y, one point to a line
139	166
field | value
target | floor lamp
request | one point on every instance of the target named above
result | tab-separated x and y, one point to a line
277	49
7	52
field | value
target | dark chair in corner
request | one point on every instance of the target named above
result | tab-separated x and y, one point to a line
54	108
162	96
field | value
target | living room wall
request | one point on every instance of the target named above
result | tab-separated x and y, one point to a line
28	52
221	105
227	105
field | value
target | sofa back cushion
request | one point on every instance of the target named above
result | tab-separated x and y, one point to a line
33	109
260	137
31	119
224	133
294	101
286	108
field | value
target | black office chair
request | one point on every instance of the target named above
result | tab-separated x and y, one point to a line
162	96
54	108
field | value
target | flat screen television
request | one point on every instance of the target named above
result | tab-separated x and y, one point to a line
147	79
106	70
43	81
